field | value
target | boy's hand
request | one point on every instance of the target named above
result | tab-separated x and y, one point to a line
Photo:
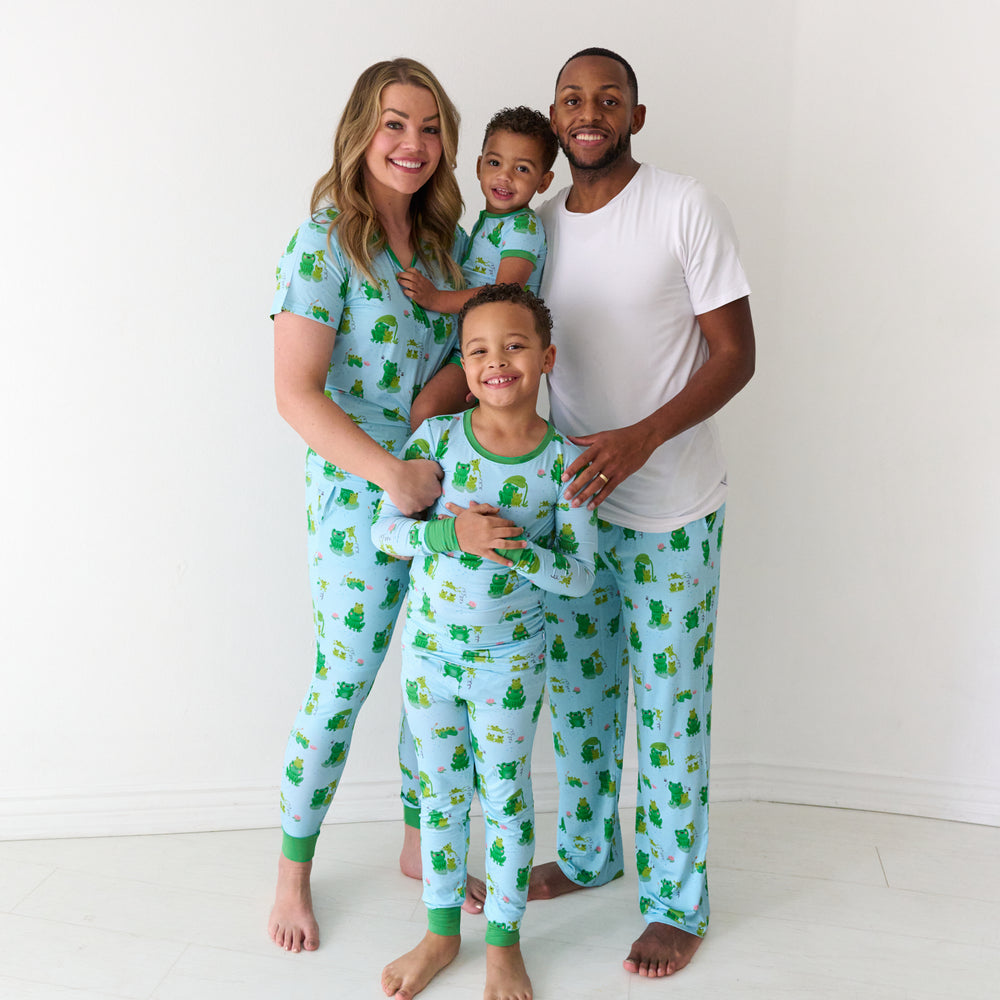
481	531
418	288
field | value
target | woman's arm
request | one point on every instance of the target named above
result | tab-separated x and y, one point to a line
302	351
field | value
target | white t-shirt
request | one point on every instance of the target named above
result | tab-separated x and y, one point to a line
625	284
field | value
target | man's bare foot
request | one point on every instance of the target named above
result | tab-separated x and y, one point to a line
506	976
404	978
409	865
661	950
292	924
548	881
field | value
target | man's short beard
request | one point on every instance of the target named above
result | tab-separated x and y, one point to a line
611	156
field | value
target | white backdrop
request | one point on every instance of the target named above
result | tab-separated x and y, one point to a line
155	614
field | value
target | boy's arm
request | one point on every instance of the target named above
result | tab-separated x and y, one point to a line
512	270
567	568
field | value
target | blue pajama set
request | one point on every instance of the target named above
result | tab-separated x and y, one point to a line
652	609
495	237
386	349
474	657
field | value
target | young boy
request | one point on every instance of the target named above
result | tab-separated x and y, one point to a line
473	639
508	241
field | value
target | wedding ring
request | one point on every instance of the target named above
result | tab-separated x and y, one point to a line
600	475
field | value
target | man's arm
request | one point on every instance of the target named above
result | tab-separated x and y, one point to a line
616	454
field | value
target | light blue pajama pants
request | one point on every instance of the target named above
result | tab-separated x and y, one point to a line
357	592
473	723
653	610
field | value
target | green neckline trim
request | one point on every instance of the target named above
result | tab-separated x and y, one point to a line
395	259
550	433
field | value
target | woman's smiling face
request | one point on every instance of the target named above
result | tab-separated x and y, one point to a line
406	148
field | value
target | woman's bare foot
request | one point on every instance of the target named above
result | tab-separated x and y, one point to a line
409	865
292	924
548	881
506	976
404	978
409	856
661	950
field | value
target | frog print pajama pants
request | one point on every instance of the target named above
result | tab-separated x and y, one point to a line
357	593
473	721
652	614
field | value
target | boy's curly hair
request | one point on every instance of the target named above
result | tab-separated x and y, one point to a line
517	295
526	121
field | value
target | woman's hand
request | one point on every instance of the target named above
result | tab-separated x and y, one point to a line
416	485
481	531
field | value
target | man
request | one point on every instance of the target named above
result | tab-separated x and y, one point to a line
654	335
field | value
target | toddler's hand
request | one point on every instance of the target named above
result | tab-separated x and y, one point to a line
417	287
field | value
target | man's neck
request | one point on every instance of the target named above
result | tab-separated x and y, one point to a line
593	189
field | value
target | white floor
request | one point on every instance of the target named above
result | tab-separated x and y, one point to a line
807	903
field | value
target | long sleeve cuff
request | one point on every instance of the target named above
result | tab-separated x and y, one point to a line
440	535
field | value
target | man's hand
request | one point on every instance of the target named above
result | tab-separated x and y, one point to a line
611	457
481	531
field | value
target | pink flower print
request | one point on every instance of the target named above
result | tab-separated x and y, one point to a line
660	547
472	604
576	690
491	701
298	819
440	770
695	581
677	734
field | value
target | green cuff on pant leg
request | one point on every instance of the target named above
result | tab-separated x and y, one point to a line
411	816
444	920
501	935
298	848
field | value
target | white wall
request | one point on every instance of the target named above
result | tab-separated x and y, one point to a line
155	635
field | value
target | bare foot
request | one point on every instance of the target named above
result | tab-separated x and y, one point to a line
548	881
404	978
409	865
475	894
409	856
506	976
661	950
292	924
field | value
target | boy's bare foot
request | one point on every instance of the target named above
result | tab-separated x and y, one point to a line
506	976
661	950
409	865
548	881
292	924
404	978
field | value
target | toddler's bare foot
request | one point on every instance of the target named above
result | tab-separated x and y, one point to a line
506	976
404	978
661	950
548	881
292	924
409	865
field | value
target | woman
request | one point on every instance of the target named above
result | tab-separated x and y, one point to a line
351	352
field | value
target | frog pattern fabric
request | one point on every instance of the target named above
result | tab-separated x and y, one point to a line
386	348
474	655
494	237
651	613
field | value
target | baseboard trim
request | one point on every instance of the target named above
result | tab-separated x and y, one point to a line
125	812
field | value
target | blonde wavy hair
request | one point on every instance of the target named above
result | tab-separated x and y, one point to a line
434	209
